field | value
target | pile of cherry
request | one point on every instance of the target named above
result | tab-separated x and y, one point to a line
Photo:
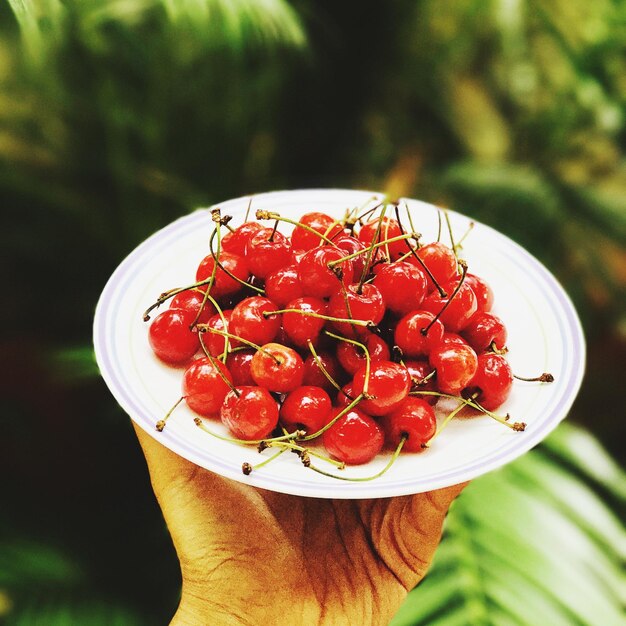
347	332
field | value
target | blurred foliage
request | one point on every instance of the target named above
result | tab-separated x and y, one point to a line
118	116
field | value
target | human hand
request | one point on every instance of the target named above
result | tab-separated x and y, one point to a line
250	556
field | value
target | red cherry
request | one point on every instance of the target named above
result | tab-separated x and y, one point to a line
319	222
413	418
440	260
355	438
493	380
389	383
402	285
306	408
345	396
418	370
457	314
350	245
302	328
250	413
204	389
267	251
192	299
316	278
277	368
223	284
365	304
352	357
313	375
483	292
283	285
238	364
214	342
170	337
237	241
248	322
408	334
455	364
453	338
485	329
389	229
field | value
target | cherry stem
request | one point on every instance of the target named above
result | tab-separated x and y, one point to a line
452	244
160	425
368	359
340	414
214	214
408	214
323	369
463	265
386	242
218	262
416	235
448	419
391	461
465	234
217	367
303	453
424	380
321	316
215	331
546	377
245	219
247	469
171	293
246	442
359	217
370	250
227	349
269	215
438	225
494	348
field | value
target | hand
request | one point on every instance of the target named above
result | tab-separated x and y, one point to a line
250	556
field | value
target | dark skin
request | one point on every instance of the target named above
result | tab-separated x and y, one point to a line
250	556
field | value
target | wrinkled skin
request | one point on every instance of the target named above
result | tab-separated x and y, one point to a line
250	556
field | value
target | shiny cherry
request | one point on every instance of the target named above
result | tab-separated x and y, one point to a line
419	370
214	342
402	285
363	302
389	384
193	299
238	364
223	284
350	245
482	291
204	387
170	336
237	240
300	327
249	412
317	278
320	223
313	375
409	337
413	418
455	364
248	322
355	438
267	251
457	314
283	285
277	368
485	330
440	260
389	229
352	357
307	408
493	381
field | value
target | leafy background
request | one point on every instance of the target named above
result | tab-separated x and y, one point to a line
118	116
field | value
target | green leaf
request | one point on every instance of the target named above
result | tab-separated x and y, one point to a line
532	543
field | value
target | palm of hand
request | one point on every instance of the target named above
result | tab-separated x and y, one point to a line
250	556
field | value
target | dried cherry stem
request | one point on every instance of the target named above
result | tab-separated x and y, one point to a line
493	348
269	215
359	217
245	442
391	461
447	420
518	426
171	293
160	425
271	237
368	358
218	262
546	377
341	413
463	265
323	369
204	328
364	323
247	469
385	242
424	380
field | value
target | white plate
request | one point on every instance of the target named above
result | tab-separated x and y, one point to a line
544	335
